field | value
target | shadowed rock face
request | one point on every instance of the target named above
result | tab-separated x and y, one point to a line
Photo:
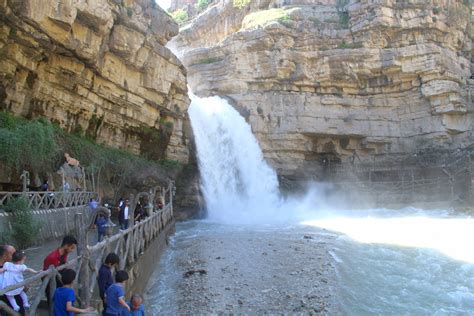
337	80
100	67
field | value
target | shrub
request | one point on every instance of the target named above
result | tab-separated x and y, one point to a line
39	146
24	226
241	3
201	5
26	145
180	16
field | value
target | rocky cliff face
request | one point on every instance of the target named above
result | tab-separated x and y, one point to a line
96	67
337	82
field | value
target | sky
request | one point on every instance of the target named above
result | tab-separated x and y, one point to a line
165	4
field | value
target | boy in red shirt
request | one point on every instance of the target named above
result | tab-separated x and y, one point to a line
58	257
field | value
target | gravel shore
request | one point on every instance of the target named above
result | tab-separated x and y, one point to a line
210	268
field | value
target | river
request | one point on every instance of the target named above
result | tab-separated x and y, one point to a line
258	252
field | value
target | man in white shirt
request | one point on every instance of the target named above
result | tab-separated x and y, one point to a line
125	215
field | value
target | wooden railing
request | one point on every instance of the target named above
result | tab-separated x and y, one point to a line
49	199
127	244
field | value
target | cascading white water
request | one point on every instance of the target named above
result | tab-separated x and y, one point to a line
238	185
396	262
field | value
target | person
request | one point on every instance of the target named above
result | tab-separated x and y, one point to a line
92	204
100	223
6	254
136	306
139	212
64	297
124	215
105	278
66	186
13	274
45	186
115	295
58	257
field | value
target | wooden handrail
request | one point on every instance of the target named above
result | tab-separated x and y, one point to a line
42	200
139	235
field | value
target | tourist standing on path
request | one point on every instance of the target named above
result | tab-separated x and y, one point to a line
45	186
100	223
6	254
13	274
64	297
124	215
115	295
136	306
105	278
58	257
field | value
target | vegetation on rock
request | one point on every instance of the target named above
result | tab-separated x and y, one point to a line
241	3
39	145
24	226
261	18
180	16
201	5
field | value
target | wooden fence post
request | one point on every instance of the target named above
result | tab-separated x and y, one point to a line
84	271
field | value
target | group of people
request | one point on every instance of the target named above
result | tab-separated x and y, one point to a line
111	289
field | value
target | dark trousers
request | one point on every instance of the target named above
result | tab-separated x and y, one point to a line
100	235
124	224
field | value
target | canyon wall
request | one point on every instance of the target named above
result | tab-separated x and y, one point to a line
98	68
326	82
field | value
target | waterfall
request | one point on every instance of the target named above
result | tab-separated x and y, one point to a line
238	185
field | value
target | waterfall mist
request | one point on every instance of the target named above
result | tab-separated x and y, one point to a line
238	185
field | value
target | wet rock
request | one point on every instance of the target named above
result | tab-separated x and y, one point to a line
189	273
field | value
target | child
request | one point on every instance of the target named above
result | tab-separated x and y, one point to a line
115	295
100	223
136	306
64	296
13	274
105	278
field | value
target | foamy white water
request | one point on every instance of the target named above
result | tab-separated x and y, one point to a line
397	262
238	185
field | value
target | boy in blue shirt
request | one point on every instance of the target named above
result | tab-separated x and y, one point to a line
64	296
136	306
115	295
105	278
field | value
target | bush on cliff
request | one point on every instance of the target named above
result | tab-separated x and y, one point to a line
24	227
39	146
201	5
180	16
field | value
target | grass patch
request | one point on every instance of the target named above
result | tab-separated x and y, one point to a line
201	5
206	61
240	4
345	45
262	18
180	16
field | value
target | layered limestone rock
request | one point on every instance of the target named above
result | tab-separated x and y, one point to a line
96	67
337	82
